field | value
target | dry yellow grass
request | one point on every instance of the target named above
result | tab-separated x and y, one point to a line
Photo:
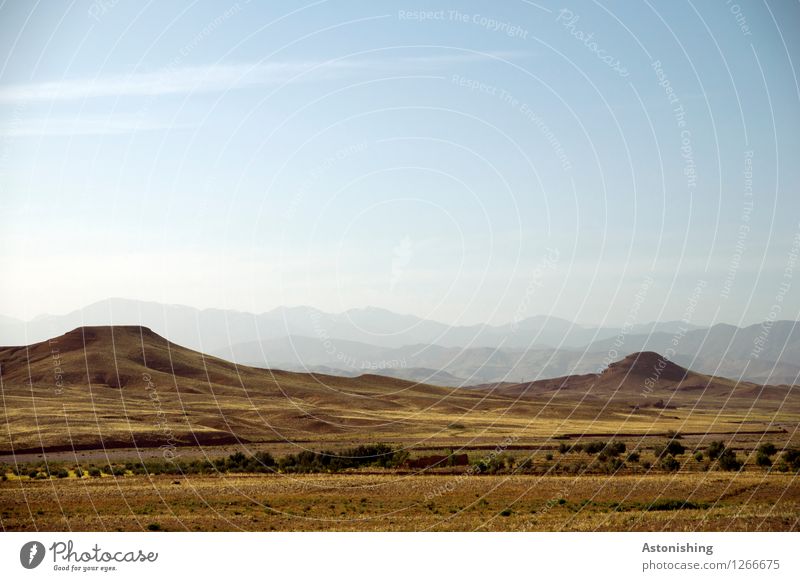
730	502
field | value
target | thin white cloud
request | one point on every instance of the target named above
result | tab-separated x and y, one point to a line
216	78
83	126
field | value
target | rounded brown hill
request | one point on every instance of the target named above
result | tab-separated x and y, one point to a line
646	364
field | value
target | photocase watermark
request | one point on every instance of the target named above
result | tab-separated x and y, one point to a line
169	450
631	319
738	15
475	468
401	258
679	113
58	371
66	558
669	354
527	112
547	263
744	227
553	501
190	46
31	554
760	342
569	21
491	24
347	360
100	8
316	173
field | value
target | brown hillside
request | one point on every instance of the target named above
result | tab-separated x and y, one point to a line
112	387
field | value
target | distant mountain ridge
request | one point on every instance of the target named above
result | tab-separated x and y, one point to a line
105	387
213	329
374	340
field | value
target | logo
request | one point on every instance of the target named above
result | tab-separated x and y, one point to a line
31	554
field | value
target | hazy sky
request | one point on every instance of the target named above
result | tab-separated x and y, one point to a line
476	162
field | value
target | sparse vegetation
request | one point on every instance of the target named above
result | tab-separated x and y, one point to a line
671	448
791	458
669	463
768	449
763	460
728	461
715	449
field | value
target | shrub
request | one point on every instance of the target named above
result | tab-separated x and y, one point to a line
767	448
763	460
698	456
506	512
675	448
715	449
729	461
594	447
79	472
154	526
792	458
669	463
614	449
670	504
633	457
563	448
33	474
614	465
673	435
548	456
95	472
4	477
62	473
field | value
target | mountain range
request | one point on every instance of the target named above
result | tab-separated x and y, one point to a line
407	347
126	386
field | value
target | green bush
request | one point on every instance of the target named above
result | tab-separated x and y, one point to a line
715	449
672	448
763	460
33	474
633	457
768	449
594	447
669	463
698	456
614	449
728	461
62	473
670	504
95	472
791	457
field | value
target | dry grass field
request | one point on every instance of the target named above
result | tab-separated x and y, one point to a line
113	399
682	502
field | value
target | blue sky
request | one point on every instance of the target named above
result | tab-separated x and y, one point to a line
465	162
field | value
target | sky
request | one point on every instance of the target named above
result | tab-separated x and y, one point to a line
605	162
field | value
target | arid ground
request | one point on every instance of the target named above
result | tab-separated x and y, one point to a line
115	428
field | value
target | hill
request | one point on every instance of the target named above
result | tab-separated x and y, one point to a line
113	387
